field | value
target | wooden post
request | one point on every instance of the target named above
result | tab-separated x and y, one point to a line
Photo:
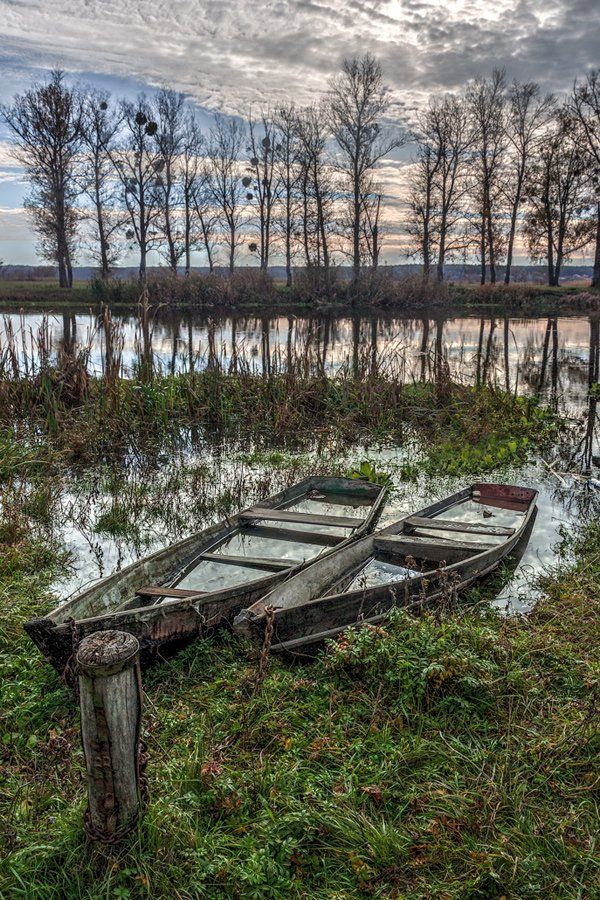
108	663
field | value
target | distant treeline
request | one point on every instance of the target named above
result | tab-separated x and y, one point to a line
495	165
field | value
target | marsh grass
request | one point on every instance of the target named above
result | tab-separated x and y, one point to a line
451	758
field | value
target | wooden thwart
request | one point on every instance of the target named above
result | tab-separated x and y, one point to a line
465	527
152	590
287	534
253	562
398	545
284	515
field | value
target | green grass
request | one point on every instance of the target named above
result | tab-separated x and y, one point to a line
422	759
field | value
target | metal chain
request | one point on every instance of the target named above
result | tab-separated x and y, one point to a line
69	673
266	648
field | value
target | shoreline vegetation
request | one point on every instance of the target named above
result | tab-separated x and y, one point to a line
253	290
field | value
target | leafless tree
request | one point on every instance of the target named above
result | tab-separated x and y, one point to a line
170	109
263	186
98	180
439	184
194	176
528	114
585	105
288	176
371	227
316	186
487	103
227	139
358	103
46	128
559	198
137	163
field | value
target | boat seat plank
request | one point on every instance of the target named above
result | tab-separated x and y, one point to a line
287	534
152	590
300	518
427	549
456	526
253	562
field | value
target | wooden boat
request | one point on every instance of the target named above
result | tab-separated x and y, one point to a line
172	595
443	548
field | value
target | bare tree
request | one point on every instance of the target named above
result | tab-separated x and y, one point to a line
288	176
198	206
138	163
170	110
371	228
421	201
585	105
358	103
46	127
98	180
317	188
264	184
439	184
559	199
528	113
487	103
227	138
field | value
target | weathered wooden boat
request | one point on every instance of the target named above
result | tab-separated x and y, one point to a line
172	595
415	562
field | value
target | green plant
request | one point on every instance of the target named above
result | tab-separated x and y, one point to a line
369	472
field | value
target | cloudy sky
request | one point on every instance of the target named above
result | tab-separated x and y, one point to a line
228	54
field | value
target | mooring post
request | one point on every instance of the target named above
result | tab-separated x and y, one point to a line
108	665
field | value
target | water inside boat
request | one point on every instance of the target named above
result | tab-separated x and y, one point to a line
489	514
377	572
281	544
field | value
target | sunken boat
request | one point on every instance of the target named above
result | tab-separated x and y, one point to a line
414	563
176	594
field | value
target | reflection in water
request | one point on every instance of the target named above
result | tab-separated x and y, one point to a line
556	357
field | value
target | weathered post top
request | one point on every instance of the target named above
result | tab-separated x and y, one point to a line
106	653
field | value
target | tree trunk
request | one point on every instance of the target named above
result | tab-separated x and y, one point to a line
482	249
188	231
513	228
550	245
491	247
596	273
143	253
356	230
231	249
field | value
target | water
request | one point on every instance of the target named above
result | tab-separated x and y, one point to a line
554	358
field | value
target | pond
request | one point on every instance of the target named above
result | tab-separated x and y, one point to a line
553	358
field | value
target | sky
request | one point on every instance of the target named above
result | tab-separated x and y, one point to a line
227	55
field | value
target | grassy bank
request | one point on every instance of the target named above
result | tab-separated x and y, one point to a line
249	290
455	759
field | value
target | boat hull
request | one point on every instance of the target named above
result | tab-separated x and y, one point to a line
306	611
